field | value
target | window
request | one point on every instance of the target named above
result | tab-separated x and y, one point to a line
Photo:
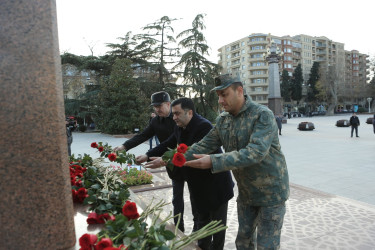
228	56
243	66
257	39
243	43
257	47
243	59
243	51
256	56
257	64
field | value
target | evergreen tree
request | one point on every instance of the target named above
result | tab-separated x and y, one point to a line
198	71
313	79
296	84
121	106
163	48
285	86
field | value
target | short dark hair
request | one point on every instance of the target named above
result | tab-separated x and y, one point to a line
186	103
235	85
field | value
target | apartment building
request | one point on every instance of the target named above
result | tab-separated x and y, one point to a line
245	58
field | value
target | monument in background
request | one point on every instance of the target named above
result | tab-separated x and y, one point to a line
273	57
36	209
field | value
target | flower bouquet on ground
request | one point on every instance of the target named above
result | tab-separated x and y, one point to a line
131	231
120	157
175	157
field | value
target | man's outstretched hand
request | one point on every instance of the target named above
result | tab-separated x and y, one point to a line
203	162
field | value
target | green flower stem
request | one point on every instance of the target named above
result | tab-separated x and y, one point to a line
210	229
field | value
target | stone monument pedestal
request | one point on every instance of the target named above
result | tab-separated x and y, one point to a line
274	104
36	208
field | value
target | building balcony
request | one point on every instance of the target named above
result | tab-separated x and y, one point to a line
258	43
320	59
258	76
258	67
257	51
258	84
257	59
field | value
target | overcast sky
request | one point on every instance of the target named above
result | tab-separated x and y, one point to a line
84	23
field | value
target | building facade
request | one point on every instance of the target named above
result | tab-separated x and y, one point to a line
245	58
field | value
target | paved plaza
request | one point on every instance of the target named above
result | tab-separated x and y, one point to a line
332	201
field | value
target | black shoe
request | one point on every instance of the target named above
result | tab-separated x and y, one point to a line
357	136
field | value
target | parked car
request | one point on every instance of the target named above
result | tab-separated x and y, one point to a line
318	113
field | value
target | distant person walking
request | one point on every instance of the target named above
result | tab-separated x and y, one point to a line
279	120
354	122
156	138
69	135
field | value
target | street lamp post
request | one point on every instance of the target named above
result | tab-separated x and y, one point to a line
369	102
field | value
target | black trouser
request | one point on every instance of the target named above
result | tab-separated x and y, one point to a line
356	130
178	205
216	241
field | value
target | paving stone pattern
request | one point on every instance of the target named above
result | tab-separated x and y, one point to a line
332	199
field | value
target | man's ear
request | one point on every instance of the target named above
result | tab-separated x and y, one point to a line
240	91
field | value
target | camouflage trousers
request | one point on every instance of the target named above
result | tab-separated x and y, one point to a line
259	227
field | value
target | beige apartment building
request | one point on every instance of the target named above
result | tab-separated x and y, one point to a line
245	58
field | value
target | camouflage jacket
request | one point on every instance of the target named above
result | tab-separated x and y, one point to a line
252	152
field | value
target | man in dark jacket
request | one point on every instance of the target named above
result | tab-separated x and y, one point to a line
162	127
354	122
210	192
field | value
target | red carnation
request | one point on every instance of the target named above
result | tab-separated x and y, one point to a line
82	194
94	145
107	216
130	210
103	243
74	195
178	159
92	218
182	148
88	240
78	183
100	149
112	157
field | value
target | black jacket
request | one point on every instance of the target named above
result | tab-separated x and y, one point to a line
354	121
209	190
162	127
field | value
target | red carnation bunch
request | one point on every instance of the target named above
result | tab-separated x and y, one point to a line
112	156
94	145
94	218
178	160
90	241
182	148
129	210
79	195
175	157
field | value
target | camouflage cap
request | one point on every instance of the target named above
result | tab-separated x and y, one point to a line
224	81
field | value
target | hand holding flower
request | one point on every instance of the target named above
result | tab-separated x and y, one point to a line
156	162
203	162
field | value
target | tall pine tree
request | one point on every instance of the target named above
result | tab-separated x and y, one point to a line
296	84
198	71
313	79
285	86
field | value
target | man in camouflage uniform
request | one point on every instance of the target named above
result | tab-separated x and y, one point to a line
248	133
